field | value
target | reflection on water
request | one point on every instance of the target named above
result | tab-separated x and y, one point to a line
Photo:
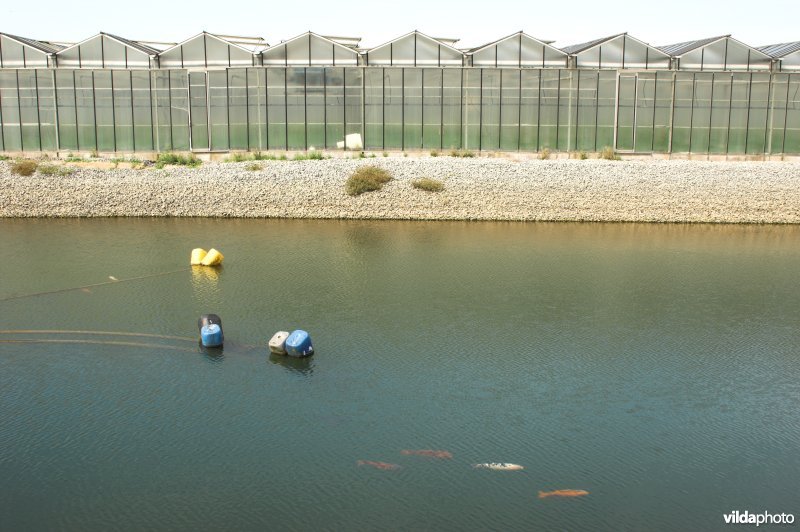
653	366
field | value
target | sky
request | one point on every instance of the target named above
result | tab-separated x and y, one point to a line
474	23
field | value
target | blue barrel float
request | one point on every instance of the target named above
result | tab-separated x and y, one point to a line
299	344
210	326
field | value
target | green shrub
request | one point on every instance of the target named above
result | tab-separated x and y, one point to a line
177	160
309	156
254	167
386	154
462	153
544	154
434	153
428	184
24	167
583	156
238	157
609	154
366	179
4	157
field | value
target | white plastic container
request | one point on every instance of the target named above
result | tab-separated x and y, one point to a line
277	344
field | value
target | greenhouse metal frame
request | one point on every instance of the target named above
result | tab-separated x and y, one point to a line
509	105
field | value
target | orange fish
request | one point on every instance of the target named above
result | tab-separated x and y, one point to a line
563	493
378	465
428	452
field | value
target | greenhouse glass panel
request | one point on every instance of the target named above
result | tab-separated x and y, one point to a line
720	113
321	51
9	108
192	53
645	111
739	114
114	54
373	108
162	126
756	142
403	50
693	60
334	106
104	111
742	57
123	110
612	53
529	110
427	52
780	85
548	109
217	52
701	113
218	109
567	109
257	108
65	99
509	109
238	129
486	57
344	56
316	107
142	111
451	110
198	99
412	109
508	53
626	114
179	111
69	57
553	58
639	55
662	118
380	56
28	109
450	57
791	140
472	108
432	90
298	51
606	98
91	53
276	108
48	118
87	125
173	58
586	120
239	57
682	113
296	105
353	104
274	56
11	53
589	58
393	108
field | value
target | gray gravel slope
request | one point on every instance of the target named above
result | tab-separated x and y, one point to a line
475	189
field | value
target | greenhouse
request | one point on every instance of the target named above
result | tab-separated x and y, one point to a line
216	93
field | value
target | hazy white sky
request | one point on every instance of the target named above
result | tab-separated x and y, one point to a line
475	23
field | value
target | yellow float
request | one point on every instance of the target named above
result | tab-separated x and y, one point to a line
198	254
212	258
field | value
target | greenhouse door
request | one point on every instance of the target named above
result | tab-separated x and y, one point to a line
644	103
198	111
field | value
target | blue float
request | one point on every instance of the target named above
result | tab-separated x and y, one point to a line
210	330
299	344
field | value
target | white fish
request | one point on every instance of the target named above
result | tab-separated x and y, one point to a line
499	466
113	278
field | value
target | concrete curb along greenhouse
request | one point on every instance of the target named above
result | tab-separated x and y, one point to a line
715	96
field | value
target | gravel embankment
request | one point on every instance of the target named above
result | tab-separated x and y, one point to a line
475	189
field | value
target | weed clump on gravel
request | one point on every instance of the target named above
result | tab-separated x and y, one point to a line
366	179
427	184
178	160
24	167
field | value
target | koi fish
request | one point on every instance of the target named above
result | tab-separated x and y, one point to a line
378	465
499	466
563	493
428	452
113	278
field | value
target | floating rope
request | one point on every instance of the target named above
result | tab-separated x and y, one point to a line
113	280
104	333
97	342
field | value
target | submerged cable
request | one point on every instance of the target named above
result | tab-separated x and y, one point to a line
112	281
103	333
97	342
